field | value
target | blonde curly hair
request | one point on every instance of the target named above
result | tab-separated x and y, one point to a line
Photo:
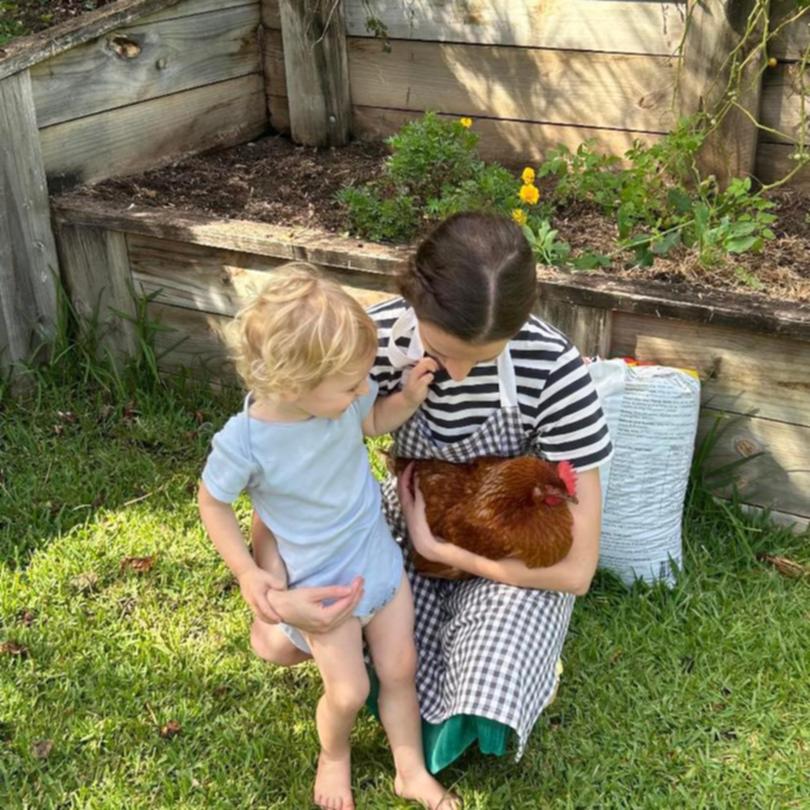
300	329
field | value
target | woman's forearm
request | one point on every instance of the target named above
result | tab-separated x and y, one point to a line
573	574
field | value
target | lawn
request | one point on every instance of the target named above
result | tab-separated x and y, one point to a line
128	682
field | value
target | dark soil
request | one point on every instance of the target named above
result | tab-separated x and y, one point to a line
272	180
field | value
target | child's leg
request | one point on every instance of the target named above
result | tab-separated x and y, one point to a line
390	640
339	656
267	640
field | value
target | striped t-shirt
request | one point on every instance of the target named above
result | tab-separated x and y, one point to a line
558	403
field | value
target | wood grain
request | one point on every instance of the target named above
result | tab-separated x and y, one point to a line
145	61
785	91
317	71
96	273
153	133
29	266
741	372
221	282
556	87
591	25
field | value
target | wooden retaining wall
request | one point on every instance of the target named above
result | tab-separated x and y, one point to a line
134	85
753	358
785	94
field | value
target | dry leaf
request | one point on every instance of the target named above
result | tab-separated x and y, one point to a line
27	617
139	564
85	582
786	567
171	729
42	748
12	648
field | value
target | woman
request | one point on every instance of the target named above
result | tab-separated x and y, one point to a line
510	384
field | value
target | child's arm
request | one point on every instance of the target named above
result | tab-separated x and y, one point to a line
254	582
388	413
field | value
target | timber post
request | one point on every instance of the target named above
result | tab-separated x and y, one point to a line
714	29
317	69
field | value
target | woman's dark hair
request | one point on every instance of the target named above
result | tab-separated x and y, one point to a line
473	277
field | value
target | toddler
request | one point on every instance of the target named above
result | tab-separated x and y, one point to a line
304	349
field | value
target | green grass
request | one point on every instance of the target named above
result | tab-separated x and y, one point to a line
695	697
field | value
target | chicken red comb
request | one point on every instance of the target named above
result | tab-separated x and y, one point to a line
568	475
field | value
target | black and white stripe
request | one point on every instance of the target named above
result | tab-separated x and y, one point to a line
558	403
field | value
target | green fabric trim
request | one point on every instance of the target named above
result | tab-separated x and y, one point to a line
446	742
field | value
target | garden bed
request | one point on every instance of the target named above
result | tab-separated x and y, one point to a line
753	354
273	181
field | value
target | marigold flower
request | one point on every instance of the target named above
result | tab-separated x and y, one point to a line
528	176
529	194
465	122
519	216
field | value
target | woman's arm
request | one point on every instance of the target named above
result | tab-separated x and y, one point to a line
223	529
304	607
573	574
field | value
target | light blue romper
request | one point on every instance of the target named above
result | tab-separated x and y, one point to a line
311	484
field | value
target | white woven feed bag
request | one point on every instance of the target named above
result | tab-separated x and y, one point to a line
608	379
653	445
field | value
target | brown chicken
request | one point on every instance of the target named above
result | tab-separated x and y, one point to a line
497	507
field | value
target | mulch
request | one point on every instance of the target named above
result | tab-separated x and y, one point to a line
275	181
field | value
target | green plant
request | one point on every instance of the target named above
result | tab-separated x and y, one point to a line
384	219
434	171
547	249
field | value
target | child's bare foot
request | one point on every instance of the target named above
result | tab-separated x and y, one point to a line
333	787
423	788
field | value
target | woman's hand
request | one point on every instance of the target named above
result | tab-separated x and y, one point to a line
303	607
413	508
256	584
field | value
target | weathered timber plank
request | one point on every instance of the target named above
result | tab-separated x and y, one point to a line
775	161
795	522
96	271
562	87
741	372
192	341
509	142
188	8
29	268
279	111
271	15
153	133
145	61
26	51
591	25
222	281
306	244
713	31
752	313
589	329
316	65
724	309
783	90
780	478
793	39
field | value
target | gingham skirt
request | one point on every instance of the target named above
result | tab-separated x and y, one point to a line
484	648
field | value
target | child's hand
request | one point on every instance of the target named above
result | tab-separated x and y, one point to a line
254	583
420	377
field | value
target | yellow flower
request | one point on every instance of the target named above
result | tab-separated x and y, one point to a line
528	176
529	194
465	122
519	215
